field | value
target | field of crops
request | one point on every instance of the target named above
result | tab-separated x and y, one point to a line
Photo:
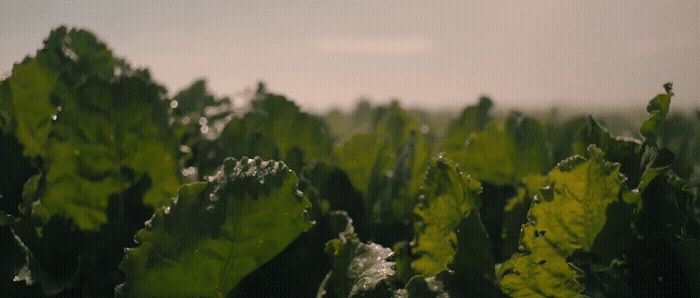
111	187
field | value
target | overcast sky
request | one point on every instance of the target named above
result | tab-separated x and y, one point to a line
440	54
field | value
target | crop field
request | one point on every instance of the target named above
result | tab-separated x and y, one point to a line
109	186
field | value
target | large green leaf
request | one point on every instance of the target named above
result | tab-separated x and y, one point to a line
31	96
450	196
107	137
505	152
566	217
471	272
358	269
217	232
96	133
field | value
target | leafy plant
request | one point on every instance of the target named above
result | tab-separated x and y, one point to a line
110	187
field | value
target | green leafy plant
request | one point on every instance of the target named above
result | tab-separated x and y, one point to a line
109	187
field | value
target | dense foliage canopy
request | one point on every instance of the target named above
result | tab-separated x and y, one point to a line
111	187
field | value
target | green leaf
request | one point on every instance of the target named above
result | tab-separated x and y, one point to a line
289	127
199	117
364	157
97	134
78	54
566	217
394	124
276	128
26	96
394	146
217	232
108	136
31	95
450	196
472	119
358	269
471	272
196	101
398	196
453	248
504	153
388	178
626	151
658	109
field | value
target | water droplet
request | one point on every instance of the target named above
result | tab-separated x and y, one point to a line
213	197
174	104
209	111
185	120
54	117
204	129
203	121
424	129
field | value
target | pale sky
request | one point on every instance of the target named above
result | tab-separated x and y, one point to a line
436	54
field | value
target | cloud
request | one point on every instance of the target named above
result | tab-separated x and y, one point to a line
376	46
